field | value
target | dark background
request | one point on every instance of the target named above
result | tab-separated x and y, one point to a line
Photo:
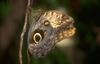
86	14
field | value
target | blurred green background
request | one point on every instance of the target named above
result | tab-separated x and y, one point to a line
86	43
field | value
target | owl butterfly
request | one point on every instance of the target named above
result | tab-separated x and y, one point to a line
46	29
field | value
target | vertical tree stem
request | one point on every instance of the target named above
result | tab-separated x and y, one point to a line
24	30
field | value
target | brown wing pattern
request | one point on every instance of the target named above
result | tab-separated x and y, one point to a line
51	27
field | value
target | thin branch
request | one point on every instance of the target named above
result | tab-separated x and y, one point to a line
23	31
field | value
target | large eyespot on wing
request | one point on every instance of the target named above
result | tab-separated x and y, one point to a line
37	36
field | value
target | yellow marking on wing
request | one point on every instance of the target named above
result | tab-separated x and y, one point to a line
54	17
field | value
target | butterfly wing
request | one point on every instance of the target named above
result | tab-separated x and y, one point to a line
46	30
